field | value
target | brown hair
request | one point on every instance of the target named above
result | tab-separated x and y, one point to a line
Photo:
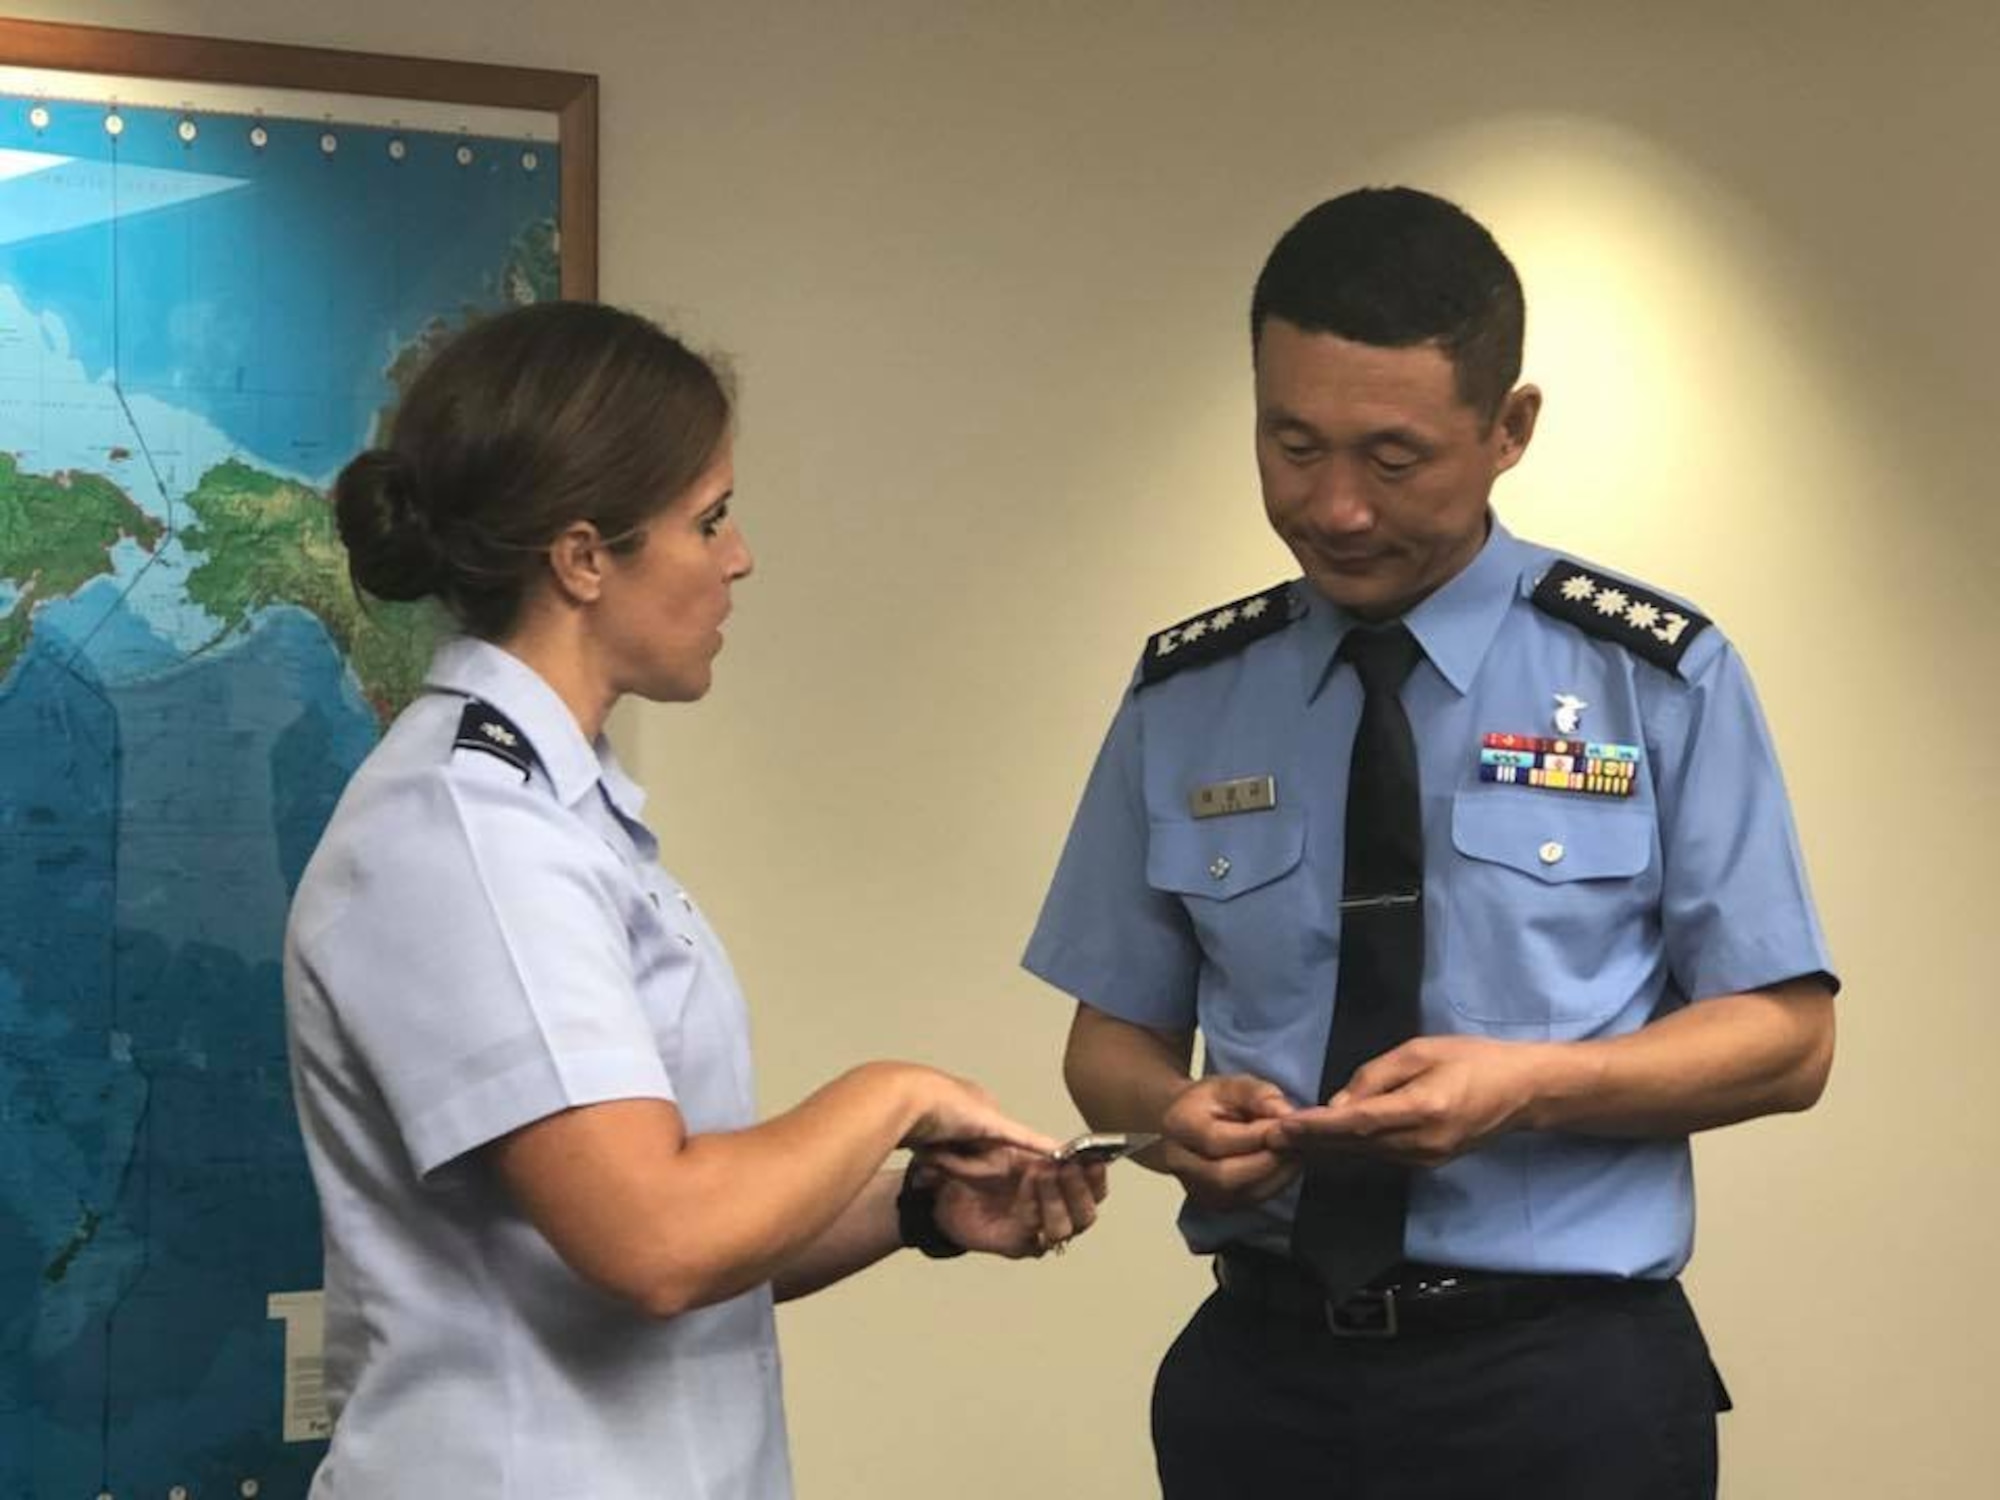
524	424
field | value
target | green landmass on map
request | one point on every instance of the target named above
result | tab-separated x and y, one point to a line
272	541
533	271
269	541
56	534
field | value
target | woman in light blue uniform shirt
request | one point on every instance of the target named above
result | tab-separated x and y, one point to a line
554	1229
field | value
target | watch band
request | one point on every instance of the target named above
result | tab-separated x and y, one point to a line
916	1219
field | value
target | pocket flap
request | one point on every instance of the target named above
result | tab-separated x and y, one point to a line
1218	858
1552	837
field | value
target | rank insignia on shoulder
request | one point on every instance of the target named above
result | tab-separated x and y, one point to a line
1647	624
1216	633
484	727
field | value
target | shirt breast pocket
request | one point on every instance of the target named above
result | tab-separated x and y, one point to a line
1241	883
1551	909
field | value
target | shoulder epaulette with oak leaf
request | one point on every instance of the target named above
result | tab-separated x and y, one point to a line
484	727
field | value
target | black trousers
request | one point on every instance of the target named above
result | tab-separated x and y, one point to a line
1609	1398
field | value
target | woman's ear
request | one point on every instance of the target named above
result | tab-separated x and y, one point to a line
577	560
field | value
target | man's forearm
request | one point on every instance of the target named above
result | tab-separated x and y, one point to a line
1123	1076
1716	1062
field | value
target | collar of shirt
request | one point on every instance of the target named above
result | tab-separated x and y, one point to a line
479	669
1455	625
626	795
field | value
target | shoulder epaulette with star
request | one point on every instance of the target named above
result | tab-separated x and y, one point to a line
484	727
1216	633
1647	624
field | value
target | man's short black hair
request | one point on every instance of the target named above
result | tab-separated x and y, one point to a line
1395	267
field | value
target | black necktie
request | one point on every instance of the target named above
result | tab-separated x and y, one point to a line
1349	1226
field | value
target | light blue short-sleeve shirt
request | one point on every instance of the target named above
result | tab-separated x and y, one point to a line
1548	914
482	940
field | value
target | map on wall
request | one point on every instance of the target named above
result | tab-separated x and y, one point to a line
203	314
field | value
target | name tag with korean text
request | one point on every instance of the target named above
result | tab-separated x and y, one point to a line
1244	794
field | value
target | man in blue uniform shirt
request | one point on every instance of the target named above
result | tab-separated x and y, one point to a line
1601	938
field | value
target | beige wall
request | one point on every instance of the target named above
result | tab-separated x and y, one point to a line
983	271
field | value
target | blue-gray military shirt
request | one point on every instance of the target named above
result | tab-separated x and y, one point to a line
1548	914
483	938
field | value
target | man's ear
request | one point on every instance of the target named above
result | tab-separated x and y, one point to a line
577	561
1518	414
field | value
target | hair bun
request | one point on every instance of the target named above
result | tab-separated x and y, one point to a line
392	546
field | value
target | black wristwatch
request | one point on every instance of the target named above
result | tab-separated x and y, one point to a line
916	1219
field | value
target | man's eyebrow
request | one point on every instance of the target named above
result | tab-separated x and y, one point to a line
1277	416
1405	437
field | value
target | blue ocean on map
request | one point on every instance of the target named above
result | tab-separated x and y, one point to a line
175	296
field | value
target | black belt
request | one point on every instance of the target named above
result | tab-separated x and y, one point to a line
1411	1298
